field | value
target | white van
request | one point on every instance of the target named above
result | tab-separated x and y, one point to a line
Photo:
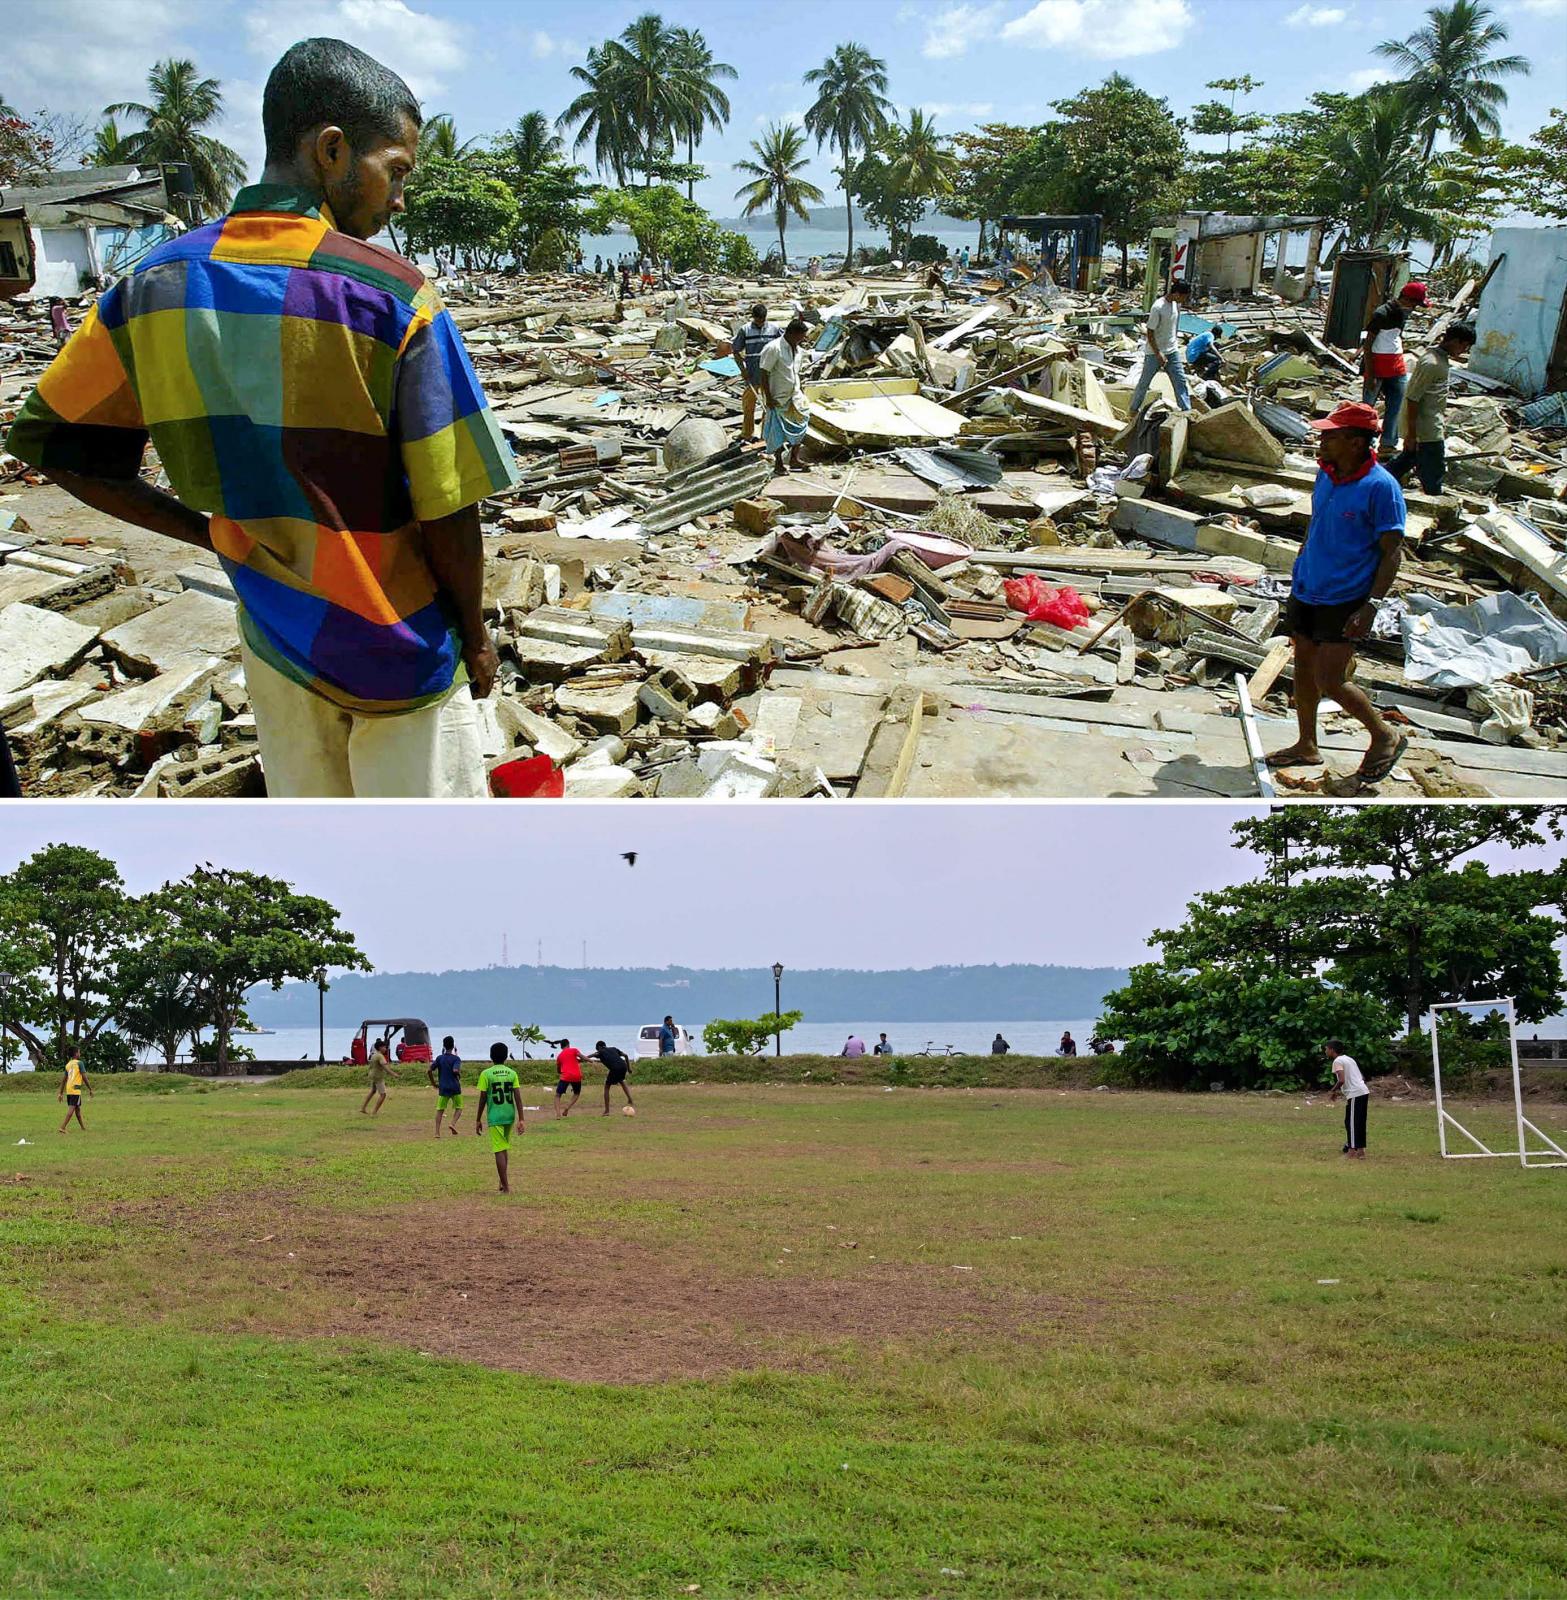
647	1041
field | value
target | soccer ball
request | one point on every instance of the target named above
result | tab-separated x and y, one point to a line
628	1111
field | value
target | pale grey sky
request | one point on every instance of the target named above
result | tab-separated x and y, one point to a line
430	888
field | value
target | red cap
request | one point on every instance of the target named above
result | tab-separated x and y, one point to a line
1416	292
1352	414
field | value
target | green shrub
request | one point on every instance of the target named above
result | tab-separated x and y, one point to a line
926	247
551	253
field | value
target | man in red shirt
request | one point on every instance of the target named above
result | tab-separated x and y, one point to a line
1382	367
569	1064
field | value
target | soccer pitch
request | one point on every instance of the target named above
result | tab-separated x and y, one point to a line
774	1341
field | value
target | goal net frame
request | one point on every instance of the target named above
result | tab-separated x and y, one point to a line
1551	1156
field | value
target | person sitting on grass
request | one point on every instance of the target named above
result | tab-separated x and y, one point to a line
1346	565
569	1065
380	1071
72	1082
616	1065
449	1089
500	1108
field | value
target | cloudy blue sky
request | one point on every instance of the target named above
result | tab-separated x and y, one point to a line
487	61
431	888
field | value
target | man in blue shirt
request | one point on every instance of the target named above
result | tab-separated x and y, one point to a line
667	1037
1345	567
447	1068
1202	355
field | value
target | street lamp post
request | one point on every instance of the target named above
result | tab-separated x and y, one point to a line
321	988
778	1006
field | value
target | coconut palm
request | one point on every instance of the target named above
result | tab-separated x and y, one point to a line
438	140
643	67
922	165
850	111
780	158
1451	79
531	143
601	114
703	104
181	106
108	145
1382	184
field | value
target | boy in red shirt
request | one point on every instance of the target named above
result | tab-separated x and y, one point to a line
569	1064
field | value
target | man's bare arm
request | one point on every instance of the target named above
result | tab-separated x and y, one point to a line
135	501
1359	625
454	548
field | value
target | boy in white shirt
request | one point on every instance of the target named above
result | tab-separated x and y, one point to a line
1348	1083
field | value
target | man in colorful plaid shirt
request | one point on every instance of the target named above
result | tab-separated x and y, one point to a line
323	431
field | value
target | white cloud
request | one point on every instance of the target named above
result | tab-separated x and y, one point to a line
1103	29
1310	16
1368	78
951	32
424	49
973	108
81	55
542	46
1544	8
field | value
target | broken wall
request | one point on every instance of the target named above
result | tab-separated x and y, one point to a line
1520	318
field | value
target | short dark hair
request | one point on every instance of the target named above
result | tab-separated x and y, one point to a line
599	1045
1461	330
498	1053
1335	1045
758	310
1180	286
796	325
448	1042
321	81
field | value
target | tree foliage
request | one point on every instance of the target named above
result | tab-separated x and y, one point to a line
229	930
180	106
743	1038
849	113
458	207
777	184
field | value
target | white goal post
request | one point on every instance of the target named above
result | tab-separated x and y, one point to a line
1527	1155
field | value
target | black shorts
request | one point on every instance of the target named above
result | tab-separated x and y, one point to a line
1321	624
73	1099
615	1077
574	1084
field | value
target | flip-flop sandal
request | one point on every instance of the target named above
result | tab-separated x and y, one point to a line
1383	765
1274	762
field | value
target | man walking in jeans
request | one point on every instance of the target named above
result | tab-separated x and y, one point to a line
1348	1082
1164	350
1382	367
323	431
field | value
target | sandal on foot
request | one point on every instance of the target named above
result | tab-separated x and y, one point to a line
1282	758
1370	772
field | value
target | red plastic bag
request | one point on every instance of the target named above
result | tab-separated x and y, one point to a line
1040	603
533	779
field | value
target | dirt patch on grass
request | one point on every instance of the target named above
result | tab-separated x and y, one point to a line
492	1281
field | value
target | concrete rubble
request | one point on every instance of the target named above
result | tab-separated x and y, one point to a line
675	620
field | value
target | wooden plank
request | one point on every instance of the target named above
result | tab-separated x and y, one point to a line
890	758
1267	674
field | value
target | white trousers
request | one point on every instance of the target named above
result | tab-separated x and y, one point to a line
314	750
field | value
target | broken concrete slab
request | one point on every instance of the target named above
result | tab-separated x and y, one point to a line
148	703
1233	433
194	623
35	643
612	709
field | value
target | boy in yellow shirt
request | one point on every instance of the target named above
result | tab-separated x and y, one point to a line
71	1085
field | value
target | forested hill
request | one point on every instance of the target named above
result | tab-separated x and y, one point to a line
641	994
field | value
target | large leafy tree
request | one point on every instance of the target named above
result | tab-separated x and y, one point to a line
460	207
1451	78
1117	151
849	113
921	163
179	107
647	79
1390	901
1373	178
66	926
531	142
1541	170
983	180
227	930
777	184
703	104
600	117
1221	119
438	140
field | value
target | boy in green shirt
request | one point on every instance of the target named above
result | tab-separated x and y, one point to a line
499	1100
71	1086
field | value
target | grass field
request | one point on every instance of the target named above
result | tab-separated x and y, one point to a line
790	1341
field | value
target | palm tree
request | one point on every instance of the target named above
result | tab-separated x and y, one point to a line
780	158
643	65
438	140
181	106
850	110
531	143
600	113
1450	76
921	163
1382	185
702	103
108	145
